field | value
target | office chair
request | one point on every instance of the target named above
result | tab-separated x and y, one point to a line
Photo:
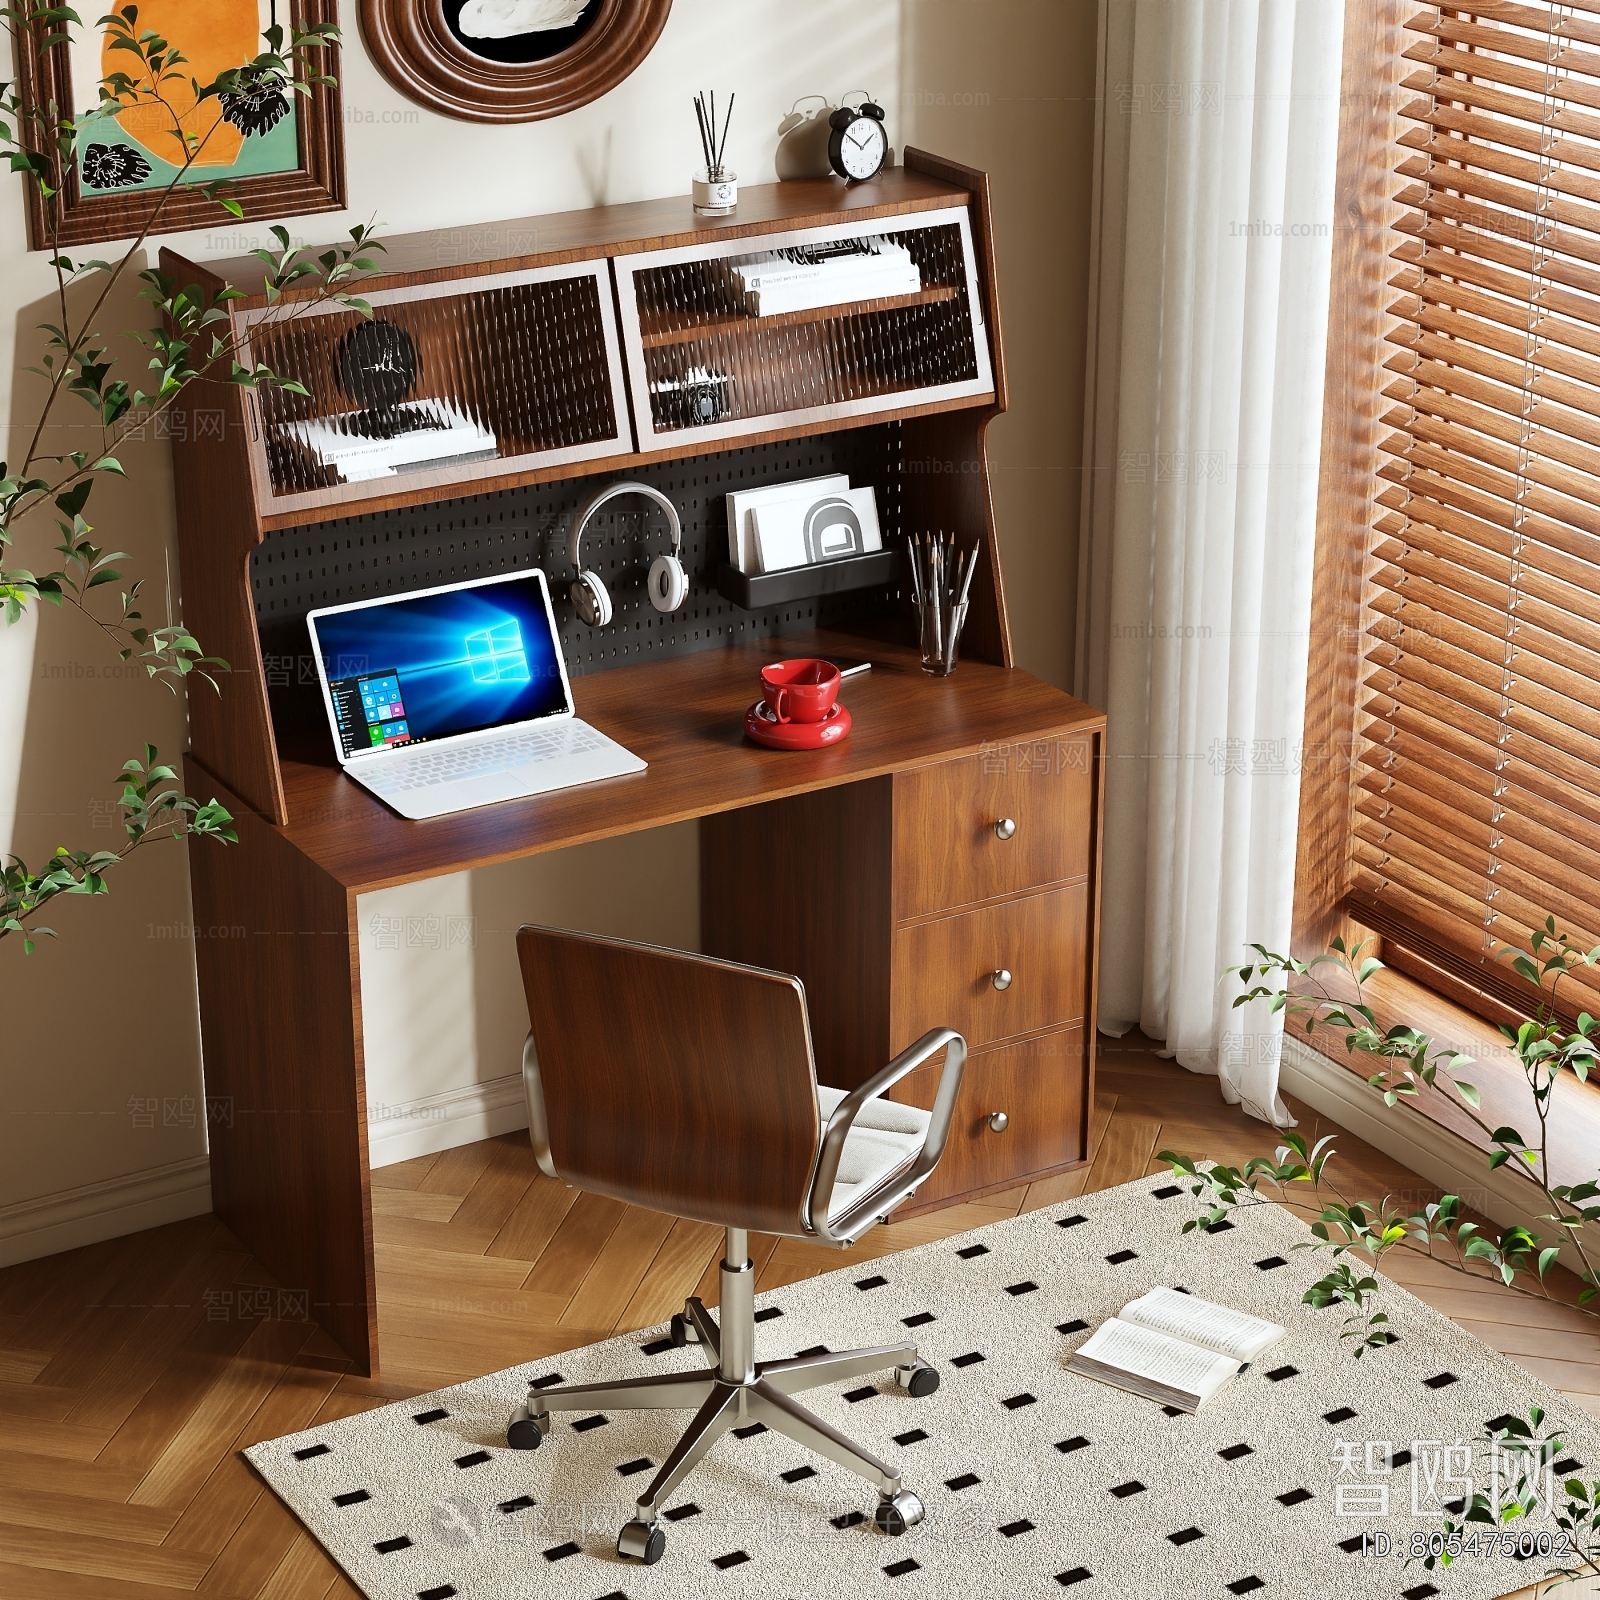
686	1085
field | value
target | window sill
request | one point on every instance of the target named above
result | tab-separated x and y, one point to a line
1395	998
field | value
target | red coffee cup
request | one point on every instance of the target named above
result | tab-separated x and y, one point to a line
803	690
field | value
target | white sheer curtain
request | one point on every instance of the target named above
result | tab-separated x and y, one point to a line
1214	215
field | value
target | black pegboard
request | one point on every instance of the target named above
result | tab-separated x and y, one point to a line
297	570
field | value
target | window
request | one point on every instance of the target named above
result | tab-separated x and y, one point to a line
1476	804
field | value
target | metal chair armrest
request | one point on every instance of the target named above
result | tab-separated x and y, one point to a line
533	1092
897	1185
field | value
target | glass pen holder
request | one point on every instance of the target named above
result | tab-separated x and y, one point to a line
939	626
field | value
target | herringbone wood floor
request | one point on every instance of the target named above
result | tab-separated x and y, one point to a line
129	1379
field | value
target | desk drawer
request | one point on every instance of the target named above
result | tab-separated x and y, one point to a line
1038	1085
947	852
944	970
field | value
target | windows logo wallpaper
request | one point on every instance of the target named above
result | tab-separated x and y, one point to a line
472	659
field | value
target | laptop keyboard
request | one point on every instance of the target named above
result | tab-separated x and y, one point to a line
453	763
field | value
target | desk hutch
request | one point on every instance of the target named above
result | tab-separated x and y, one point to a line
874	869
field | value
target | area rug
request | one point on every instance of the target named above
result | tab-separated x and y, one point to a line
1036	1480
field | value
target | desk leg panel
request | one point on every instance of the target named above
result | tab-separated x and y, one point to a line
280	1020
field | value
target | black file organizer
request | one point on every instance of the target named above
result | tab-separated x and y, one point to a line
755	590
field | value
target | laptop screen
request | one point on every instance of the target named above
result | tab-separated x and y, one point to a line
446	661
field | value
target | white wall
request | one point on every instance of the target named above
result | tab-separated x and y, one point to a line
107	1017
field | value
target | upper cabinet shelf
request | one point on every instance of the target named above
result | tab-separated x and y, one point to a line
446	383
704	364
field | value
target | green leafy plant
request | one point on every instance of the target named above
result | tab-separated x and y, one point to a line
189	340
1358	1233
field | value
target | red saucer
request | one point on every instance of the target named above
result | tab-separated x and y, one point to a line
758	725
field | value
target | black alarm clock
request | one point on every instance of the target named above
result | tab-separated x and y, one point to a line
859	144
377	364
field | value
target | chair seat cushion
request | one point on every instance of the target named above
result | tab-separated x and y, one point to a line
887	1135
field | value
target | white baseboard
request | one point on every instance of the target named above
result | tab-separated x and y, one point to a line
107	1210
443	1121
1433	1152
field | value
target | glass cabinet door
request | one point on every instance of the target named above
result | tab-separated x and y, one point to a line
445	383
742	337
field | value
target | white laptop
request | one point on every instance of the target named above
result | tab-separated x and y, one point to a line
450	698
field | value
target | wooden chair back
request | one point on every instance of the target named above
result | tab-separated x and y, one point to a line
672	1080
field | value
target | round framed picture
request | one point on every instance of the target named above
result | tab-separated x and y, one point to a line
509	60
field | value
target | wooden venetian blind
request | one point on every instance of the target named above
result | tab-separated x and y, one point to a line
1478	801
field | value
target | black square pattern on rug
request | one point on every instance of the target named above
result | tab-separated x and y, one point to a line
767	1313
1354	1544
1502	1422
639	1464
679	1513
972	1251
560	1552
521	1503
1218	1227
965	1481
876	1281
856	1396
438	1414
1073	1575
1342	1414
584	1424
442	1592
849	1519
1165	1192
1278	1374
734	1558
749	1430
1185	1536
1175	1411
1077	1325
1235	1451
798	1474
1015	1402
920	1320
1076	1442
811	1350
547	1381
911	1436
310	1451
1295	1497
1123	1490
1117	1257
1420	1591
352	1497
1027	1286
1246	1585
1270	1263
970	1359
475	1459
657	1347
387	1547
1440	1380
1401	1458
1571	1464
1071	1222
898	1569
1012	1529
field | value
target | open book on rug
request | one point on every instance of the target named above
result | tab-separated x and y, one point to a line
1173	1348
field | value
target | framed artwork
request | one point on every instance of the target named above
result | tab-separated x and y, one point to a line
281	152
509	60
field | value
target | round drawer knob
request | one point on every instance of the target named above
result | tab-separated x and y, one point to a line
999	1122
1005	828
1000	978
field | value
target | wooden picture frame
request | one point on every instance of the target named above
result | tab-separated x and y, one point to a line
418	47
87	215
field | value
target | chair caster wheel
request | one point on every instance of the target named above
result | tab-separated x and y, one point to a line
526	1431
898	1512
918	1380
641	1541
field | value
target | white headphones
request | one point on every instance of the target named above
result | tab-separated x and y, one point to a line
668	583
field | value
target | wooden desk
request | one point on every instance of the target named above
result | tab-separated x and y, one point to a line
281	1005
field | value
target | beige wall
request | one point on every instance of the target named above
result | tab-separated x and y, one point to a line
107	1016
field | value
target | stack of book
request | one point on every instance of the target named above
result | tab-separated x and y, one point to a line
805	277
409	437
